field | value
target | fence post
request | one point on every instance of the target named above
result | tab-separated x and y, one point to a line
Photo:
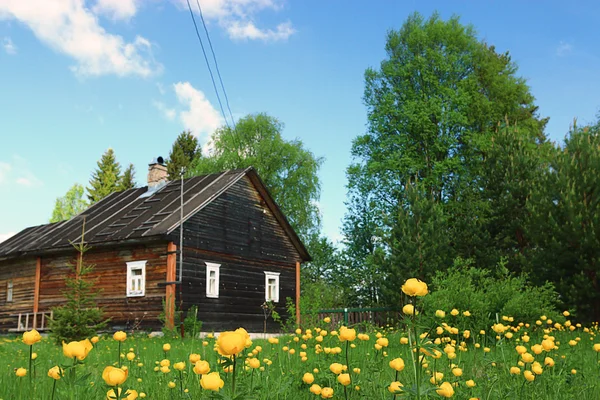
346	316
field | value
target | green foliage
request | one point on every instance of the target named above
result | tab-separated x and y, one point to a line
191	324
289	170
185	149
106	178
79	318
565	221
71	204
127	180
487	294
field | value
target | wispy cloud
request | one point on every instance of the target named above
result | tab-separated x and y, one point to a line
116	9
169	113
563	48
69	27
8	46
237	18
200	116
17	172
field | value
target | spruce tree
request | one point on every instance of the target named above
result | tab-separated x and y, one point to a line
127	180
184	150
106	178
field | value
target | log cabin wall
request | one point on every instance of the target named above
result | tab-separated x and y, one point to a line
21	272
238	231
110	270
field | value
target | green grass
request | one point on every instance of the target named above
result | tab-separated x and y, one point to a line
283	378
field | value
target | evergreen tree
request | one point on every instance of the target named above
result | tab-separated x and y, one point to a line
185	149
127	180
105	179
71	204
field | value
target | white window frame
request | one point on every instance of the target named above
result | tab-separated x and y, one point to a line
272	275
212	267
9	291
131	266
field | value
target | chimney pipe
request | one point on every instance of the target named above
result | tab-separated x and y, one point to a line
157	173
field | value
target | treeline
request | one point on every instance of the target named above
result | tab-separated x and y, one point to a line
455	165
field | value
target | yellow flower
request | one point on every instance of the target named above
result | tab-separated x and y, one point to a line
78	350
315	389
537	349
254	363
120	336
395	387
515	370
308	378
527	357
566	313
21	372
529	376
436	378
166	347
31	337
549	361
55	372
547	344
201	367
383	342
336	368
326	393
246	336
445	390
536	368
347	334
414	287
171	385
231	343
194	358
470	383
33	356
344	379
130	356
467	313
327	320
454	312
440	314
408	309
179	366
397	364
212	381
457	372
95	339
521	349
273	340
114	376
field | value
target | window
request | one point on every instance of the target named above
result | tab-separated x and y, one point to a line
9	291
212	279
136	278
272	286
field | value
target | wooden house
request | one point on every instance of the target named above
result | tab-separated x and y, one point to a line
238	252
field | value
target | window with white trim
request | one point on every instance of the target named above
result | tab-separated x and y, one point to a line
9	291
136	278
212	279
272	286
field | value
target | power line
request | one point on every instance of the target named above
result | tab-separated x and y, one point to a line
216	64
207	63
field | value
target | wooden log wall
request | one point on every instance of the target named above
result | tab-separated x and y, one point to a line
110	271
22	273
241	291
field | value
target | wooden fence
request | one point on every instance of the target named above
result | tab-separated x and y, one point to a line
353	316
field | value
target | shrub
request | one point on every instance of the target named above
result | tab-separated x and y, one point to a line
488	294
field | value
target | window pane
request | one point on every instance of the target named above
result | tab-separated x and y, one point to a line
212	273
136	272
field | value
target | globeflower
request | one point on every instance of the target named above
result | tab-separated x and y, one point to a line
315	389
440	314
120	336
21	372
445	390
201	367
409	309
347	334
212	381
336	368
78	350
395	387
326	393
308	378
344	379
414	287
31	337
114	376
231	343
55	372
397	364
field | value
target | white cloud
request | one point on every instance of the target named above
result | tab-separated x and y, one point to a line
9	46
4	236
4	171
116	9
69	27
236	17
169	113
200	117
563	48
247	30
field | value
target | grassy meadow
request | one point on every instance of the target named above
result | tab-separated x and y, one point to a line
539	359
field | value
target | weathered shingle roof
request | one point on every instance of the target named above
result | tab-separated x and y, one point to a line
125	216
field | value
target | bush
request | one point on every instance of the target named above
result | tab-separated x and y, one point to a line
488	294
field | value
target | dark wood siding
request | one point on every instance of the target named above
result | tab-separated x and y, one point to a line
239	223
241	291
110	270
22	272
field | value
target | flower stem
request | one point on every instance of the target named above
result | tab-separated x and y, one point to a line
30	354
53	389
233	380
119	357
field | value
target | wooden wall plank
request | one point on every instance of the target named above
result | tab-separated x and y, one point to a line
170	289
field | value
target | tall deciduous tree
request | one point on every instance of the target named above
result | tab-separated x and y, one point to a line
289	170
433	108
71	204
185	149
105	179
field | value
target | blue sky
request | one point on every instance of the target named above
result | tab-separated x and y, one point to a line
81	76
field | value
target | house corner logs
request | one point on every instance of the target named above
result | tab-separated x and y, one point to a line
36	290
298	293
170	289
